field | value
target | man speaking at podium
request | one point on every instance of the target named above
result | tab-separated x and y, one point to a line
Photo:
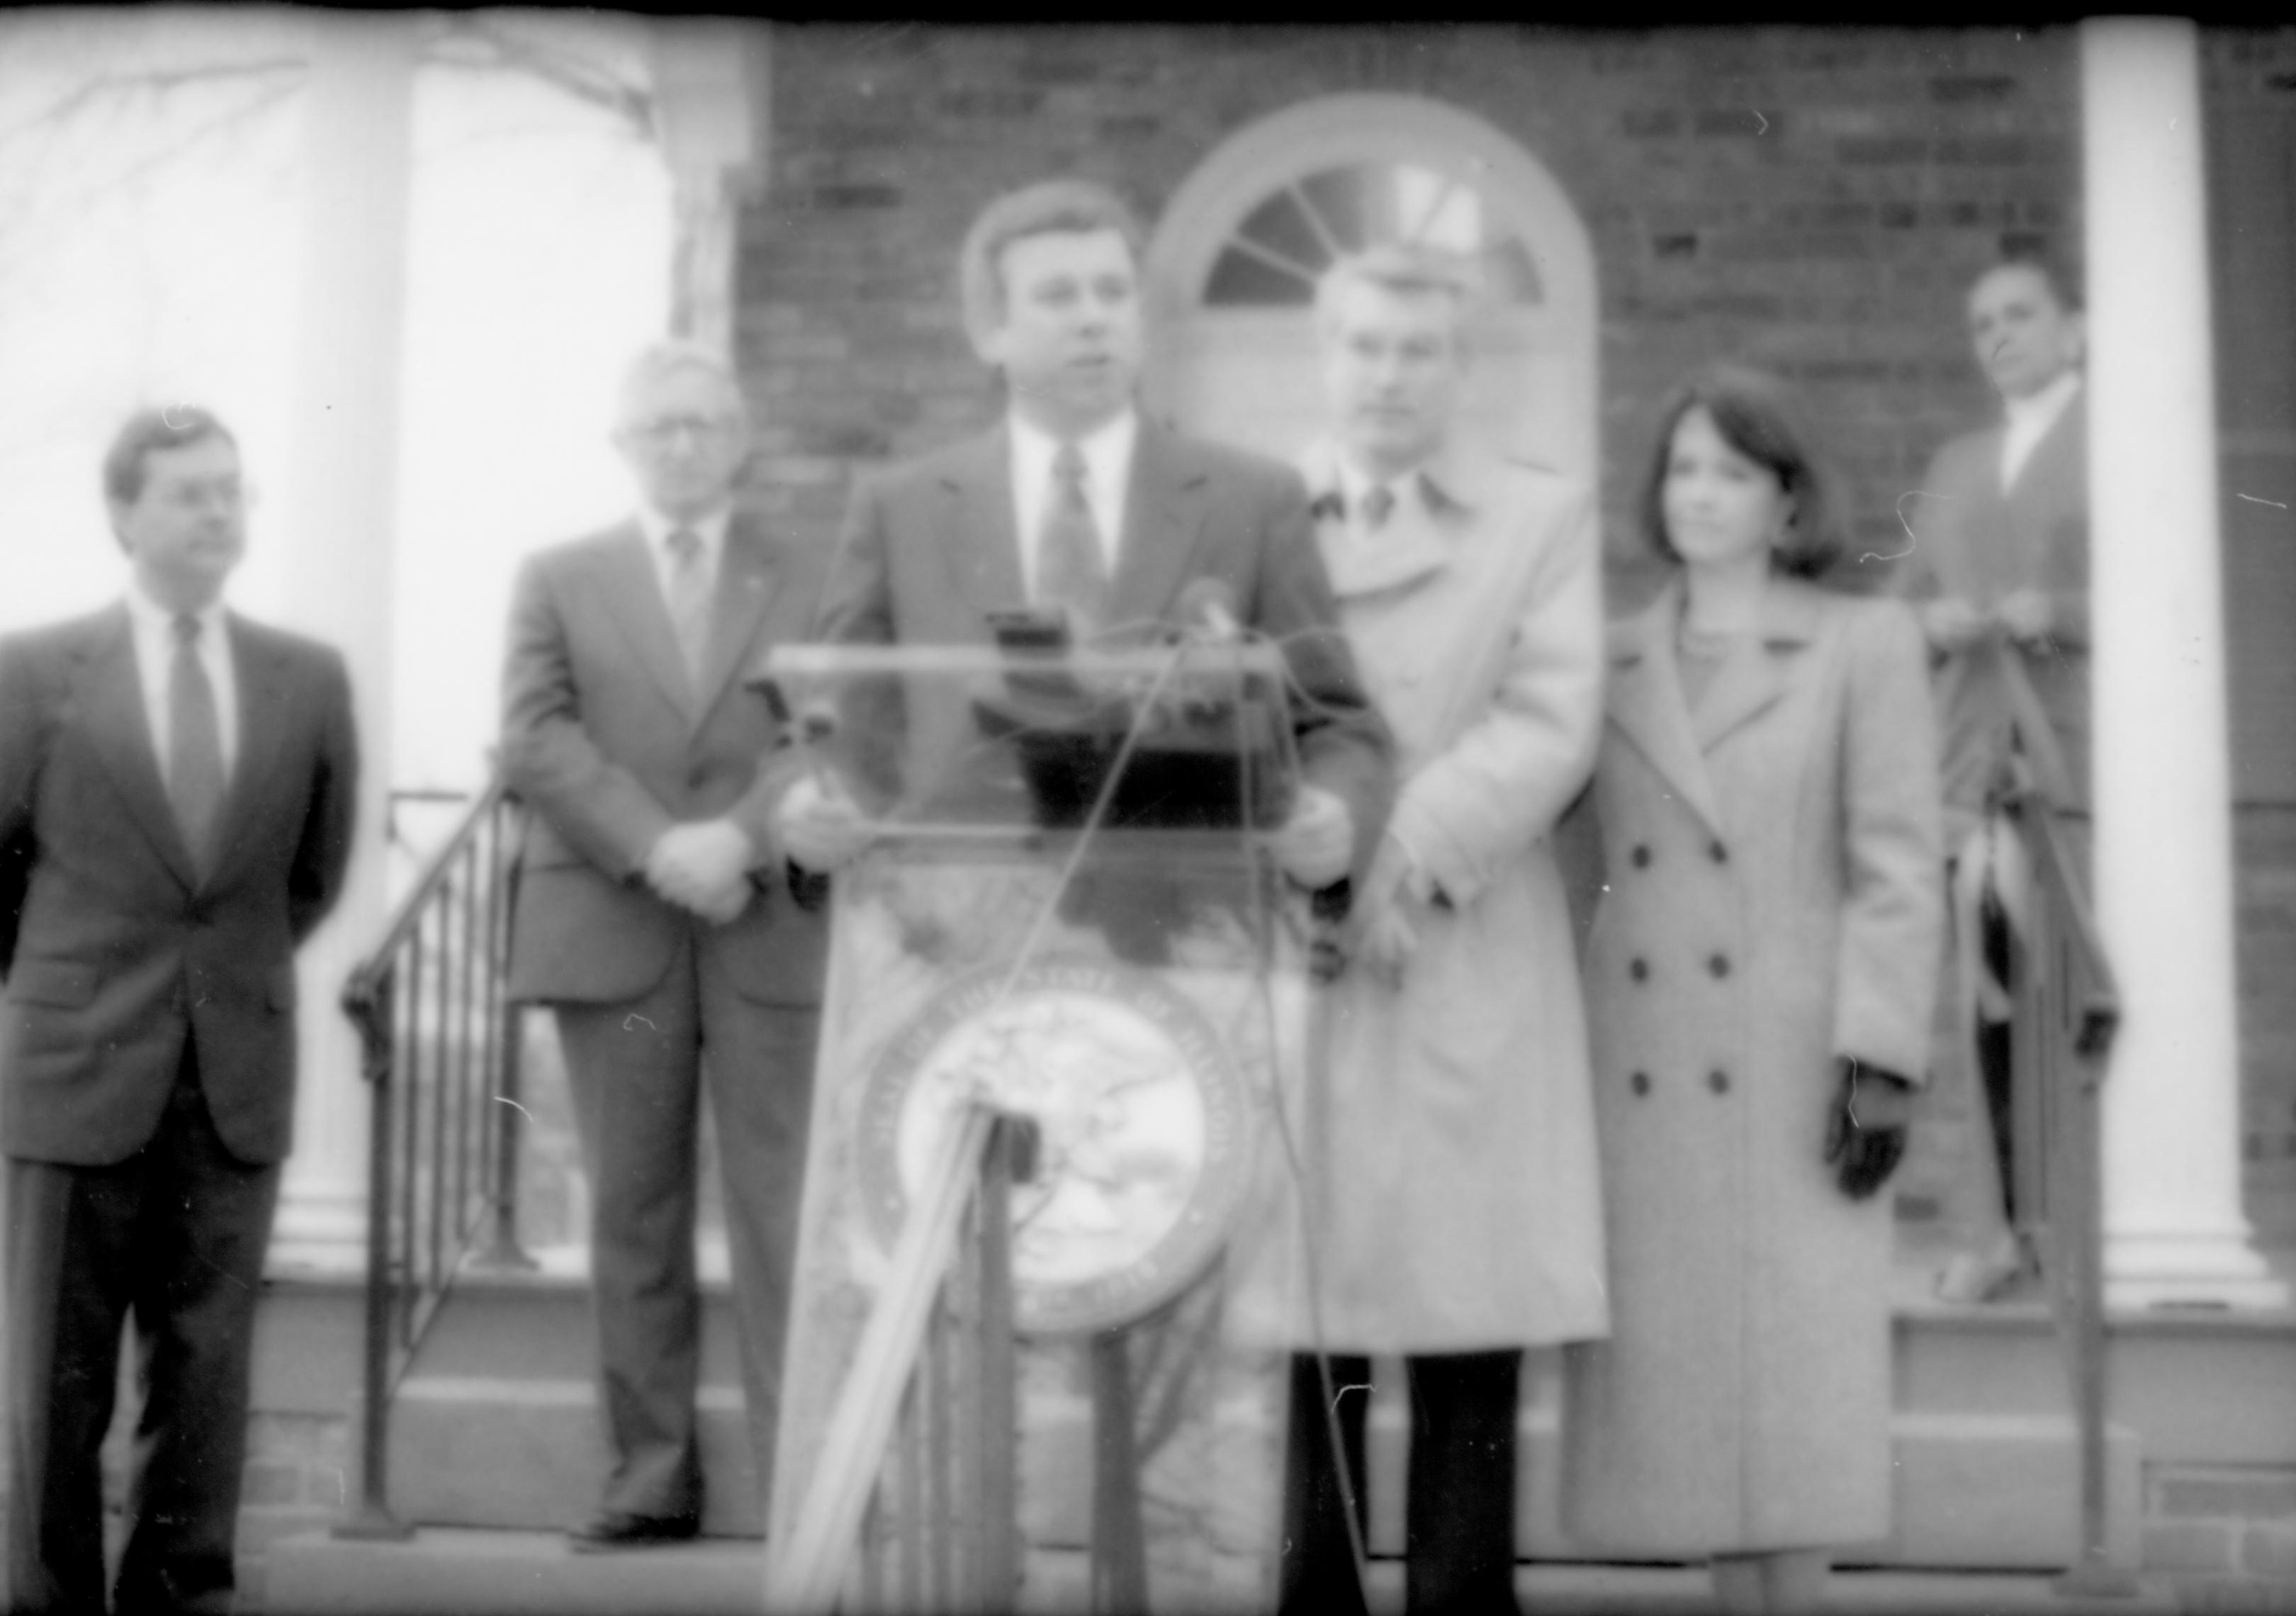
1077	503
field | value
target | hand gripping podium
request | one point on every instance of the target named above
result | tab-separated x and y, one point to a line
1038	1278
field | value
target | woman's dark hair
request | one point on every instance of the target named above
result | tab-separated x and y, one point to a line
1757	416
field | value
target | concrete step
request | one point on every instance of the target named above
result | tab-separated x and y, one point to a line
536	1323
490	1452
499	1428
2000	1491
496	1573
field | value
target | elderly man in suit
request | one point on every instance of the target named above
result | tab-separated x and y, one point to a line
177	797
1999	572
656	915
1077	505
1452	1191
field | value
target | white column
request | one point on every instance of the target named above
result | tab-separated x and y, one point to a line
2175	1233
710	84
338	533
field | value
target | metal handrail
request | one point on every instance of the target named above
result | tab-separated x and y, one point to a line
439	1043
2066	1010
914	1503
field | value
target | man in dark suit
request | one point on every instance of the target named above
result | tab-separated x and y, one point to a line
1078	505
1999	572
655	915
178	788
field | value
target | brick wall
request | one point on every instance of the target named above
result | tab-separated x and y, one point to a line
1814	201
2224	1536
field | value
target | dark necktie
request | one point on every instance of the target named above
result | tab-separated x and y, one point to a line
689	600
1378	505
194	745
1071	569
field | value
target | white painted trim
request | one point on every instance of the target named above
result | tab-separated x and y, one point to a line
1334	130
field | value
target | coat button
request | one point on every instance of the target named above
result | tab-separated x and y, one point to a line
1641	856
1639	1082
1719	1082
1718	853
1639	970
1720	966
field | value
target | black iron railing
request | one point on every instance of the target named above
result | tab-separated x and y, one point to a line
2065	1011
440	1045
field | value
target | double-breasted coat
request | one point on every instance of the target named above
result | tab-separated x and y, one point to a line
1451	1186
1772	901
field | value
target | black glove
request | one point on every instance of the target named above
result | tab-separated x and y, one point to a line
1865	1136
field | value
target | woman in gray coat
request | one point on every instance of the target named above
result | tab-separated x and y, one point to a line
1759	981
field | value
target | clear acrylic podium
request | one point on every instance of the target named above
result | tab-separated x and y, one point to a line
1065	980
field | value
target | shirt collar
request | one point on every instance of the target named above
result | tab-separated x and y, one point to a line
1107	450
157	622
1446	480
2036	413
710	530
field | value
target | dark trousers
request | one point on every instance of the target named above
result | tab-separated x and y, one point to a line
636	1070
1458	1529
1994	1044
174	1237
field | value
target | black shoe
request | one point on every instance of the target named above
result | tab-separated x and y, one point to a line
614	1529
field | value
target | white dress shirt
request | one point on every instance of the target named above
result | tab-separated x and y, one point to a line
1107	477
154	627
2029	421
710	530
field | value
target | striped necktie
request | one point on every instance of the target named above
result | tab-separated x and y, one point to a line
689	600
1072	568
195	783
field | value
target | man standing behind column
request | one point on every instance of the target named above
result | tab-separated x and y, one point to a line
655	916
1452	1205
1999	569
176	796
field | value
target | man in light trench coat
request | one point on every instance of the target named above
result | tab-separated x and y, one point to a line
1452	1204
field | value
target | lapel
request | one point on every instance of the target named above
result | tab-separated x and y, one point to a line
264	696
984	549
1749	683
1418	541
1646	700
121	736
2055	478
746	577
1163	524
629	593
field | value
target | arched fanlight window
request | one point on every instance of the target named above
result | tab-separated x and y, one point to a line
1285	244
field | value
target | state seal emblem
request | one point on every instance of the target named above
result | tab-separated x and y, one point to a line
1142	1125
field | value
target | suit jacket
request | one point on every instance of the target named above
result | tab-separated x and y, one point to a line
605	738
120	950
1972	540
930	548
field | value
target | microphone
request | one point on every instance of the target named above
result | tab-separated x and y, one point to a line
1208	606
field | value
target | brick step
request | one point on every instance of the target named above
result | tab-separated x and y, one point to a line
492	1573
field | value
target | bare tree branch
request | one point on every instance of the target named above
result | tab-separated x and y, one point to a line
158	81
479	42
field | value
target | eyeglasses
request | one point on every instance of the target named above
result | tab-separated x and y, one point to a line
664	429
